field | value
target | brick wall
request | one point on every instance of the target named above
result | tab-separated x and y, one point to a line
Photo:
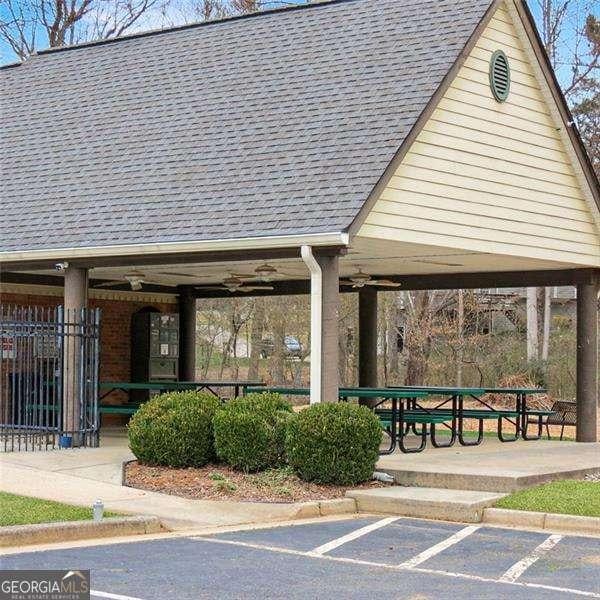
115	338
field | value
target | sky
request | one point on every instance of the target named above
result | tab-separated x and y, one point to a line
578	10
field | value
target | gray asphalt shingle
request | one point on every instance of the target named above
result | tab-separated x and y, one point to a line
278	123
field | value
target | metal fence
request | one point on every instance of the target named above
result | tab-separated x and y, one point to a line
48	377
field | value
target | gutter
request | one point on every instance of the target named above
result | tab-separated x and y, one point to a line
253	243
316	318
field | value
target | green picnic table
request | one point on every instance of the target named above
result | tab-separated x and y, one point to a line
162	386
521	394
395	420
519	417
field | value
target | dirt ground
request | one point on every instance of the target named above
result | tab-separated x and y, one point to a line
219	482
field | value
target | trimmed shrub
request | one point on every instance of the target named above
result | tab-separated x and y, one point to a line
334	443
250	431
175	429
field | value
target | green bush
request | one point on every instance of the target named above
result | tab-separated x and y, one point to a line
334	443
175	429
250	431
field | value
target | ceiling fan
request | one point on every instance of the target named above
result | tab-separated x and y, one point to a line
234	283
135	279
264	273
360	279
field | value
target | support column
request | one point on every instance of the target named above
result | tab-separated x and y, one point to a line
75	298
330	328
187	335
587	363
324	316
367	339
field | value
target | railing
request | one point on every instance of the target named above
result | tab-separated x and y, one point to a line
49	360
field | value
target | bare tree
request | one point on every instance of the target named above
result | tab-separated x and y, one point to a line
28	26
256	335
571	35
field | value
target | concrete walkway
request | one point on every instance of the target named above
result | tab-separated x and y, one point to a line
80	476
494	466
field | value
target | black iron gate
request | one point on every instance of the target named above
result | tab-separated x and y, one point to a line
48	377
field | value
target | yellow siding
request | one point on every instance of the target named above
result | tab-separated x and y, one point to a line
491	177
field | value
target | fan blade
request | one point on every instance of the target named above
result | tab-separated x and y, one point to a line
177	274
252	288
209	287
384	283
111	283
154	282
244	275
346	282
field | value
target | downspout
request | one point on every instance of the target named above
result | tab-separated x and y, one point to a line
316	316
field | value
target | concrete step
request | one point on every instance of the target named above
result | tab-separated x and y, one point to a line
428	503
505	480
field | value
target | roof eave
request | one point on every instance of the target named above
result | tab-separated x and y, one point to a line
209	246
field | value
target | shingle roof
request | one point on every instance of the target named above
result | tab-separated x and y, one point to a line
272	124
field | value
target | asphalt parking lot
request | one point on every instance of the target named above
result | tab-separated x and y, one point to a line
354	558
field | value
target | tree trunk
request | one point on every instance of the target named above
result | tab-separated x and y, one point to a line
392	342
279	344
533	342
460	337
418	338
547	323
256	336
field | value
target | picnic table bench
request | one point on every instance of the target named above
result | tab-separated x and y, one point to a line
519	417
160	387
393	420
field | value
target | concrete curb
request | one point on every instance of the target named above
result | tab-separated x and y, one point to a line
46	533
538	520
324	508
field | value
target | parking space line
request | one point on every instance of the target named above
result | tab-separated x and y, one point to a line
520	567
430	552
356	561
353	535
110	596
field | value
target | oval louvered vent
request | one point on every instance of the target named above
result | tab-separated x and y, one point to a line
500	76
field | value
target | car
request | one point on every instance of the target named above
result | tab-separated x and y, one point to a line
293	347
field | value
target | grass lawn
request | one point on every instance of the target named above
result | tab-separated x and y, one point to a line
563	497
23	510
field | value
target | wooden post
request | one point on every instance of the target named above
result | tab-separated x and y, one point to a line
75	298
367	340
329	326
187	335
587	362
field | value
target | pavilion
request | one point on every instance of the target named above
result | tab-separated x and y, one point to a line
424	143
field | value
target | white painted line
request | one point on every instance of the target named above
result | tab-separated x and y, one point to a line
353	535
427	554
367	563
520	567
99	594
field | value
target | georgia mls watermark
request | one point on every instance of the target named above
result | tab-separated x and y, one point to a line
44	585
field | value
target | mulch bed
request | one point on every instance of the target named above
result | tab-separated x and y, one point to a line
219	482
